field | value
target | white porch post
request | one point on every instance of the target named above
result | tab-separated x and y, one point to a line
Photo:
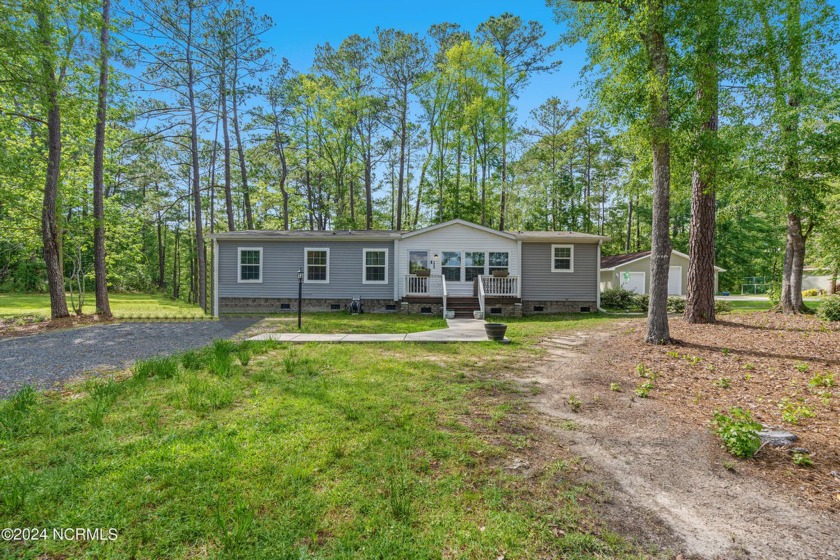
598	277
215	278
398	278
519	265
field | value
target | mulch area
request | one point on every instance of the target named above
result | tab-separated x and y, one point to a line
26	325
764	362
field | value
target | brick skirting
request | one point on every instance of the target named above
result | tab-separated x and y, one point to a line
235	305
532	307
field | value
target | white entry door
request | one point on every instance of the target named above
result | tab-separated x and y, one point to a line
632	281
675	281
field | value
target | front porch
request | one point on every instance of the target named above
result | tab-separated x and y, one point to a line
492	295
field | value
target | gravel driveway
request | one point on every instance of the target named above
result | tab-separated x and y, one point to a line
42	360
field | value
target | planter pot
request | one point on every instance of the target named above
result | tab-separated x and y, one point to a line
450	313
478	314
424	273
501	273
495	331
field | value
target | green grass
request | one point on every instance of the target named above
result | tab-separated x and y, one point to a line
141	306
343	322
746	306
309	451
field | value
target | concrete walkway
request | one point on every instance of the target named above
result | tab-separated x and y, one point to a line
460	330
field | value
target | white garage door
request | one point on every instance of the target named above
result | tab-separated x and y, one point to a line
675	281
633	281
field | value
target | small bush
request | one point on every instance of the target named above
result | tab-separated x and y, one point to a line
723	306
618	298
165	367
641	301
615	387
738	431
802	460
575	403
822	380
643	390
774	293
676	304
793	412
830	308
813	292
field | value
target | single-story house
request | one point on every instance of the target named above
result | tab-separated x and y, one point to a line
814	278
456	265
631	271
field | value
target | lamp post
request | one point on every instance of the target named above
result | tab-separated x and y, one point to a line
300	294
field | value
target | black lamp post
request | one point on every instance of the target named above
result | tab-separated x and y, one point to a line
300	294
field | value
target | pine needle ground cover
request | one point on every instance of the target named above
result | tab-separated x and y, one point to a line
313	451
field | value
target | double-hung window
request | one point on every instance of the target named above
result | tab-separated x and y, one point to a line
473	265
498	261
451	265
250	264
316	266
562	258
375	266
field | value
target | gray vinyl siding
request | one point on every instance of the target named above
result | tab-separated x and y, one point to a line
539	283
282	259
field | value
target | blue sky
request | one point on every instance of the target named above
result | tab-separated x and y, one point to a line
301	25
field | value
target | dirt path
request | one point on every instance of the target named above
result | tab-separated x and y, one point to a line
664	479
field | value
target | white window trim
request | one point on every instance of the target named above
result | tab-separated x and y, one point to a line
306	251
239	265
365	265
571	258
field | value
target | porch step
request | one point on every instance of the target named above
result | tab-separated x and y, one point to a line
462	306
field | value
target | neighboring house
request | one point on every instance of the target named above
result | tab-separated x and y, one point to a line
631	271
814	278
456	265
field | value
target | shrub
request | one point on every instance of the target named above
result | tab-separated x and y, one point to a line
164	367
802	460
641	301
813	292
774	293
822	380
676	304
723	306
830	308
738	431
793	412
618	298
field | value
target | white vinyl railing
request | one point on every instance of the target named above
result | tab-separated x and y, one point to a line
431	286
499	287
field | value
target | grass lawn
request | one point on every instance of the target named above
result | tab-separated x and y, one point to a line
740	306
309	451
343	322
122	306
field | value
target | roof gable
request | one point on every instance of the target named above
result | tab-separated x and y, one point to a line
614	261
458	221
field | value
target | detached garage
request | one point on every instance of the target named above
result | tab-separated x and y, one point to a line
631	271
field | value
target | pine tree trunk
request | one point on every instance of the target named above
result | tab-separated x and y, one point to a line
103	307
196	180
243	168
400	187
660	258
50	233
700	294
226	140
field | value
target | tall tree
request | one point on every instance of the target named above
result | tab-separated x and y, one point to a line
700	293
103	306
519	45
401	62
627	46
